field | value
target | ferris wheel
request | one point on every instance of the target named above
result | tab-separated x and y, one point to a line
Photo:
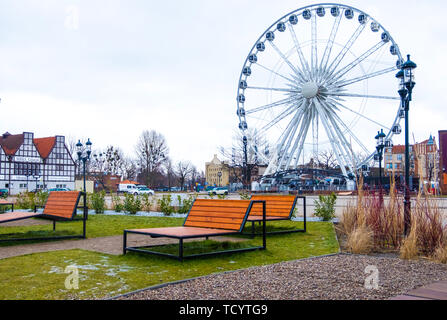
321	78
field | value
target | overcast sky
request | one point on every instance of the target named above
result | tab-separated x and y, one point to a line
109	69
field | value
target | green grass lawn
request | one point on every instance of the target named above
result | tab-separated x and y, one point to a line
42	275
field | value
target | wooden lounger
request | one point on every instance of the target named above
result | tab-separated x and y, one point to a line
207	218
277	208
60	206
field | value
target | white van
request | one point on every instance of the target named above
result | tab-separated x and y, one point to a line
127	188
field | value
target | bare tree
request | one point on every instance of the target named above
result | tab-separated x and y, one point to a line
183	170
327	160
241	156
129	168
170	172
152	151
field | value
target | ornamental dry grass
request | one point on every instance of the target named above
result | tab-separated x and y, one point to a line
376	224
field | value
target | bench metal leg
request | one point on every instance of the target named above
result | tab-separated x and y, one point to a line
124	243
54	225
180	250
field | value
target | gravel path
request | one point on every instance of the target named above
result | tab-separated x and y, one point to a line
339	277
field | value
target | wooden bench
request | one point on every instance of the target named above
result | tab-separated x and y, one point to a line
60	206
207	218
278	208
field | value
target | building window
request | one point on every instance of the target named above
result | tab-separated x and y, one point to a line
399	157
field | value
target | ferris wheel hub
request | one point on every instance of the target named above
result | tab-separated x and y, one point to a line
310	90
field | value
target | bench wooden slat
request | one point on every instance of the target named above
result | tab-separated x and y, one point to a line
217	214
216	220
217	225
62	204
276	206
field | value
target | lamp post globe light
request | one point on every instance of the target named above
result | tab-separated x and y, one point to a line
380	138
406	77
219	174
84	155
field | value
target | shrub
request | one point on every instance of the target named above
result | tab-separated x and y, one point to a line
96	201
325	207
186	205
132	204
117	203
222	196
165	205
147	202
28	200
244	195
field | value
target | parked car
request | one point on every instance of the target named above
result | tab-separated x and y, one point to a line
4	193
58	189
219	191
143	190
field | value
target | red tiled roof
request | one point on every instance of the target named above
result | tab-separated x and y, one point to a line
129	182
11	143
399	149
44	146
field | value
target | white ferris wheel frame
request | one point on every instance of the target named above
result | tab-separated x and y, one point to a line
306	106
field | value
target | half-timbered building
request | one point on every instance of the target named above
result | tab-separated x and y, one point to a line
28	163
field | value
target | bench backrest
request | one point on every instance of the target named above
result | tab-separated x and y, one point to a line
275	206
62	204
218	214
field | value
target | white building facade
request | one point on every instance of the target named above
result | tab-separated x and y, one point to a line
27	164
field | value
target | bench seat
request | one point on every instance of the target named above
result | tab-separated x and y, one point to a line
15	216
206	218
60	206
183	232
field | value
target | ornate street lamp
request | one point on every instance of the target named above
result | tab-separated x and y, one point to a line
406	77
380	146
36	177
219	174
84	156
245	142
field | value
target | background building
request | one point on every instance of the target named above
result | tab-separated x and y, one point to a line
424	162
217	173
28	164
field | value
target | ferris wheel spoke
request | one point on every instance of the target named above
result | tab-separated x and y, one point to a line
357	61
274	72
286	60
341	94
314	53
361	115
281	140
348	147
271	105
330	44
280	117
303	60
365	77
296	121
334	65
275	89
299	141
332	141
338	138
336	117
